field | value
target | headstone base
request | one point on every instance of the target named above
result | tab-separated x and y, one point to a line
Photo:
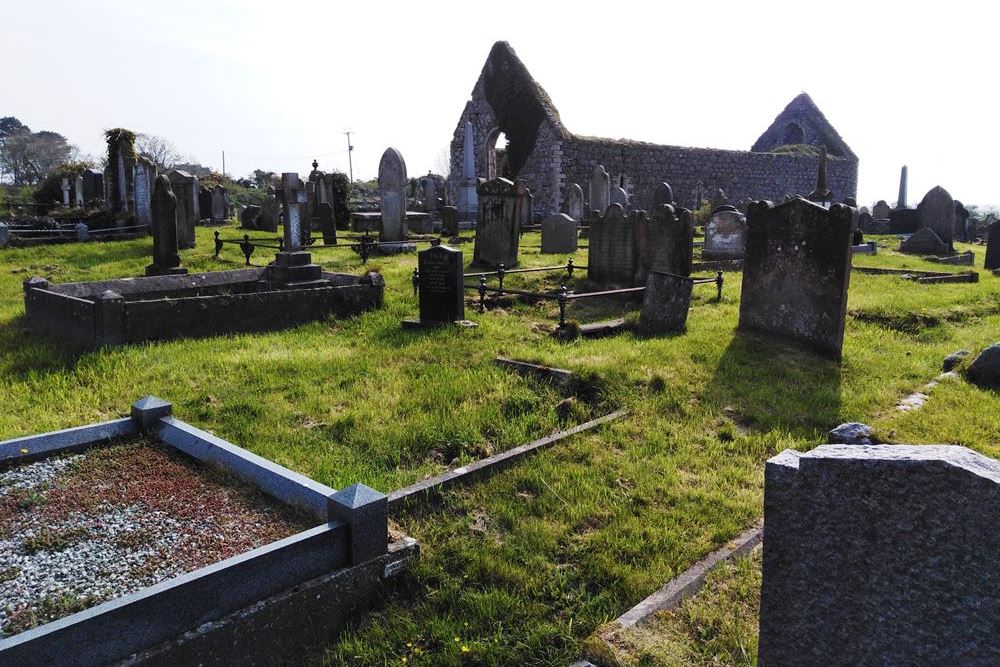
394	248
293	269
419	325
154	270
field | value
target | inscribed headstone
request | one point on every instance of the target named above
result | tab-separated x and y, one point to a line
392	183
501	208
611	261
440	284
725	234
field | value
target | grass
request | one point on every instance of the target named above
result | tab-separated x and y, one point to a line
522	568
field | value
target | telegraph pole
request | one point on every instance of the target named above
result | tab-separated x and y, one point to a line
223	163
350	149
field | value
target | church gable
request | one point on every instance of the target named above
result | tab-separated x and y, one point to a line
802	122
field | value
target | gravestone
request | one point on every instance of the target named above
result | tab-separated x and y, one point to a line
82	231
204	203
449	220
881	210
725	234
440	286
219	204
93	185
163	212
665	303
664	242
185	188
796	272
574	202
270	212
961	222
904	220
611	261
64	186
600	189
971	230
324	213
619	196
78	191
292	266
718	199
924	242
501	209
937	211
430	195
880	555
865	221
392	192
468	207
248	217
993	246
4	234
559	234
664	194
145	179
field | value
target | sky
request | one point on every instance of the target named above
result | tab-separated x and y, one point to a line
275	85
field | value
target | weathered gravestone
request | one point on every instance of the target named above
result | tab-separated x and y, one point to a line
449	220
880	555
430	195
600	189
664	194
937	211
904	220
185	188
93	185
924	242
611	261
248	217
559	234
718	199
79	199
993	246
4	234
961	222
574	202
619	196
219	204
881	210
327	225
145	180
725	234
865	221
64	186
270	211
664	242
468	206
166	261
501	209
796	272
82	231
204	203
392	192
440	287
665	303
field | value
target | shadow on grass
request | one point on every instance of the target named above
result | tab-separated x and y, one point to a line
25	352
764	384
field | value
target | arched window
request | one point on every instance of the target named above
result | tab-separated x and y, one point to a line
793	134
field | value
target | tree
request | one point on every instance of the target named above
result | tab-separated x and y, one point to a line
30	156
160	151
263	179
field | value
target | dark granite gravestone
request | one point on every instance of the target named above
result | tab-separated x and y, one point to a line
664	242
904	220
961	222
664	194
880	555
327	225
924	242
204	203
937	212
501	209
559	234
611	261
796	272
725	234
163	207
449	221
93	185
440	286
993	246
248	217
665	303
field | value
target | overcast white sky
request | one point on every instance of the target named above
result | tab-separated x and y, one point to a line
276	84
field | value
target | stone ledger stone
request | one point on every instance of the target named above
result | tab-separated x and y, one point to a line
880	555
559	234
796	272
665	303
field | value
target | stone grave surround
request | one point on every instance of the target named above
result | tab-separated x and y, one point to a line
796	273
498	229
880	555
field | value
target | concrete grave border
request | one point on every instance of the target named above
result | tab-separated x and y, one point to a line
179	613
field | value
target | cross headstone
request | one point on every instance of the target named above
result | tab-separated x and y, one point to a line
574	202
559	234
725	234
664	194
501	209
600	189
392	183
937	211
796	272
163	211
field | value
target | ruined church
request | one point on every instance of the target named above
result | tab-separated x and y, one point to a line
540	150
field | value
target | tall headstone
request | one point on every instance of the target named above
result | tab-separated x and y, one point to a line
725	234
440	285
93	185
219	204
901	199
937	211
574	202
600	189
79	199
64	186
611	261
665	242
145	179
186	189
501	209
619	196
163	214
961	222
270	212
796	272
527	208
559	234
880	555
327	224
392	191
665	303
205	202
430	195
664	194
468	207
993	246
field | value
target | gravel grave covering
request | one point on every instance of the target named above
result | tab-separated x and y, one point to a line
79	530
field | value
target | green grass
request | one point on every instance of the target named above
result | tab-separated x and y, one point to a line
519	569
